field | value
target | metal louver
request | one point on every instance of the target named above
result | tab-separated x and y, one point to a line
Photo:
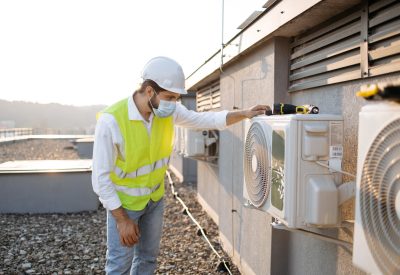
257	165
208	98
328	55
384	37
380	198
360	43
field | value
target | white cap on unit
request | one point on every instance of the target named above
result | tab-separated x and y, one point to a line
167	73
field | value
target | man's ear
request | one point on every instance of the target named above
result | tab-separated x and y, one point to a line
149	90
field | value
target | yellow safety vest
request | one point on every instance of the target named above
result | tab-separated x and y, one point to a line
141	176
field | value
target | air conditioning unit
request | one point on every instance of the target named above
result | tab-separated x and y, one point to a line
179	141
196	143
377	225
281	174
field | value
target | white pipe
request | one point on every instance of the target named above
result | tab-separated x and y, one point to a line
222	36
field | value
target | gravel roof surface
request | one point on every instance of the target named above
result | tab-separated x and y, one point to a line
76	243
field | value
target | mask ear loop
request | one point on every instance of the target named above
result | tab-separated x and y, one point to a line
150	104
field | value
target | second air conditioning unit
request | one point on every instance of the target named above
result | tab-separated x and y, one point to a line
179	144
377	225
281	173
196	143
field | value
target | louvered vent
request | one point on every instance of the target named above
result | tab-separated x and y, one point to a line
360	44
257	165
384	37
380	198
328	55
208	98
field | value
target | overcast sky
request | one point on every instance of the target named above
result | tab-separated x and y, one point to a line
84	52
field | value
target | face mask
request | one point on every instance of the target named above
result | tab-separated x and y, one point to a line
165	108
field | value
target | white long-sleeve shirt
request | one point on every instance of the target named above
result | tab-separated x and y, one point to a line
108	144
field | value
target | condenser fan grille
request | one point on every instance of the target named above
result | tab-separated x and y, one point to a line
379	198
257	165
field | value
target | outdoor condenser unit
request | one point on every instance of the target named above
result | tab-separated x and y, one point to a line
377	226
195	143
281	174
179	140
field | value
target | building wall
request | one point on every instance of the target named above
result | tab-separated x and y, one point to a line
208	188
333	99
261	78
245	233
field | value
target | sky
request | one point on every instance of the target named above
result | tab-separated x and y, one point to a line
89	52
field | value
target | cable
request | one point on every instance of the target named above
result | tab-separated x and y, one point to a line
222	36
186	211
336	170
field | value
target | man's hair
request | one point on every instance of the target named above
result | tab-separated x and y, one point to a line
150	83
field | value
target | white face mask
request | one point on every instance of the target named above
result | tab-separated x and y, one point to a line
165	108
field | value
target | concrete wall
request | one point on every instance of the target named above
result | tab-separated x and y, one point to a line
208	188
260	76
328	258
47	192
84	147
246	234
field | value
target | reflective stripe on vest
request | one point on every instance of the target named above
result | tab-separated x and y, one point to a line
136	191
142	170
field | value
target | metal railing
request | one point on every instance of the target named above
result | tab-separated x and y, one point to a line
13	132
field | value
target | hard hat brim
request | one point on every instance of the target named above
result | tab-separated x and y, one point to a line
175	90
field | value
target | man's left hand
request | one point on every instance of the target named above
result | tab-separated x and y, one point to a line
236	116
257	110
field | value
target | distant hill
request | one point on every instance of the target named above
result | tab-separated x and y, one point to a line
55	116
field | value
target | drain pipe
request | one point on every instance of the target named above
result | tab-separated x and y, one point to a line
222	36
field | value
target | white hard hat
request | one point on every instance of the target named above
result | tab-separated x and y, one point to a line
167	73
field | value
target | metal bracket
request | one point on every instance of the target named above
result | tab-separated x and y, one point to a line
280	226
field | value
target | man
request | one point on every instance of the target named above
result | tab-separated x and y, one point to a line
133	143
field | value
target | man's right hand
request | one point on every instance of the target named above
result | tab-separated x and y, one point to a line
128	230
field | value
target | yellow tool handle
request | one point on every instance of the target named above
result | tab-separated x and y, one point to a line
368	91
301	110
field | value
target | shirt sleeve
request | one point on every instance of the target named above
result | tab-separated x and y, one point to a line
200	120
103	162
